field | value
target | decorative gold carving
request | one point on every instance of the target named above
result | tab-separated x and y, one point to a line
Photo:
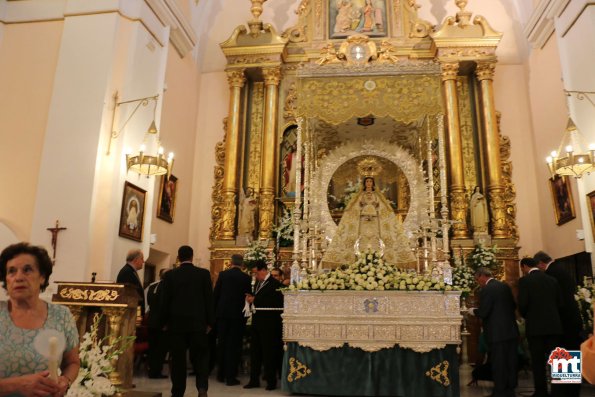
229	215
458	210
290	105
77	294
498	208
326	98
255	23
460	54
509	189
387	52
421	321
485	70
328	54
303	7
216	194
297	370
272	76
449	70
467	133
419	28
114	321
236	78
404	67
439	373
358	49
318	18
255	148
267	212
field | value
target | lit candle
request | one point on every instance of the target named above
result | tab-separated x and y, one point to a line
53	358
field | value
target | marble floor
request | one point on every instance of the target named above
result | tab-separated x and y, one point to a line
217	389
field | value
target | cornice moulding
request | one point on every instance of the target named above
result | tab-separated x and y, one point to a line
541	23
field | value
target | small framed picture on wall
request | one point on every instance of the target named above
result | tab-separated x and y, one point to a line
133	212
167	198
562	198
591	207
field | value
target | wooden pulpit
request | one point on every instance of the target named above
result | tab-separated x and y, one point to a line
117	304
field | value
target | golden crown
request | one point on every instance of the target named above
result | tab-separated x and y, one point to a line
369	167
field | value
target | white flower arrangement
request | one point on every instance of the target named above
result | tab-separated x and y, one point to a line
256	252
93	377
463	279
483	257
584	296
284	230
371	273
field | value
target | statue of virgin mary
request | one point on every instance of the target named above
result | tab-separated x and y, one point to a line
369	223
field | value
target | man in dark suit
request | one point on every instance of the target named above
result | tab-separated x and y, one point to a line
230	296
539	303
129	275
188	316
570	316
497	312
157	342
267	335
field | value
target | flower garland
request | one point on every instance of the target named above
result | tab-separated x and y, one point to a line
96	357
371	273
584	297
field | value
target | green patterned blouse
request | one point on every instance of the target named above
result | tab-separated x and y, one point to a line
19	347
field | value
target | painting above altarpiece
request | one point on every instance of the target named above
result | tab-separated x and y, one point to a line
348	17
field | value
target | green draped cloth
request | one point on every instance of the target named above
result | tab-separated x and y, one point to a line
347	371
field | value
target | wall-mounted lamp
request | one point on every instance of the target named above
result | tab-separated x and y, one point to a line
141	162
573	157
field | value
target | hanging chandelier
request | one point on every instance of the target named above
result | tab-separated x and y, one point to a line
145	162
573	157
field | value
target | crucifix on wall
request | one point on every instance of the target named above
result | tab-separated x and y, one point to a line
55	230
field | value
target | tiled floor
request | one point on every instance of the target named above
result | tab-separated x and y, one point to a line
217	389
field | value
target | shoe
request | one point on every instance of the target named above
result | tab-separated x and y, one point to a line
251	385
158	376
232	382
270	387
202	393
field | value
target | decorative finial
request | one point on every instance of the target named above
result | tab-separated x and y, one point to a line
463	17
256	24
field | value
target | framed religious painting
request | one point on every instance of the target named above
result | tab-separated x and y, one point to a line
591	207
133	212
562	198
349	17
166	204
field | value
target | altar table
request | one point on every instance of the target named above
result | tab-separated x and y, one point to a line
371	343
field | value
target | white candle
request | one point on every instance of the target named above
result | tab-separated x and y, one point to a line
53	358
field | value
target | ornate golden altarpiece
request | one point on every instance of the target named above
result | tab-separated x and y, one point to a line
431	89
330	91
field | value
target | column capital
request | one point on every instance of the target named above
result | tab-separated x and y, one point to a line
485	70
236	78
449	70
272	75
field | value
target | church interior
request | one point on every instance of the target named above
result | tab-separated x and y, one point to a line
276	112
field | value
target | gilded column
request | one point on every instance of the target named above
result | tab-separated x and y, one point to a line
115	319
458	198
236	80
272	76
485	75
